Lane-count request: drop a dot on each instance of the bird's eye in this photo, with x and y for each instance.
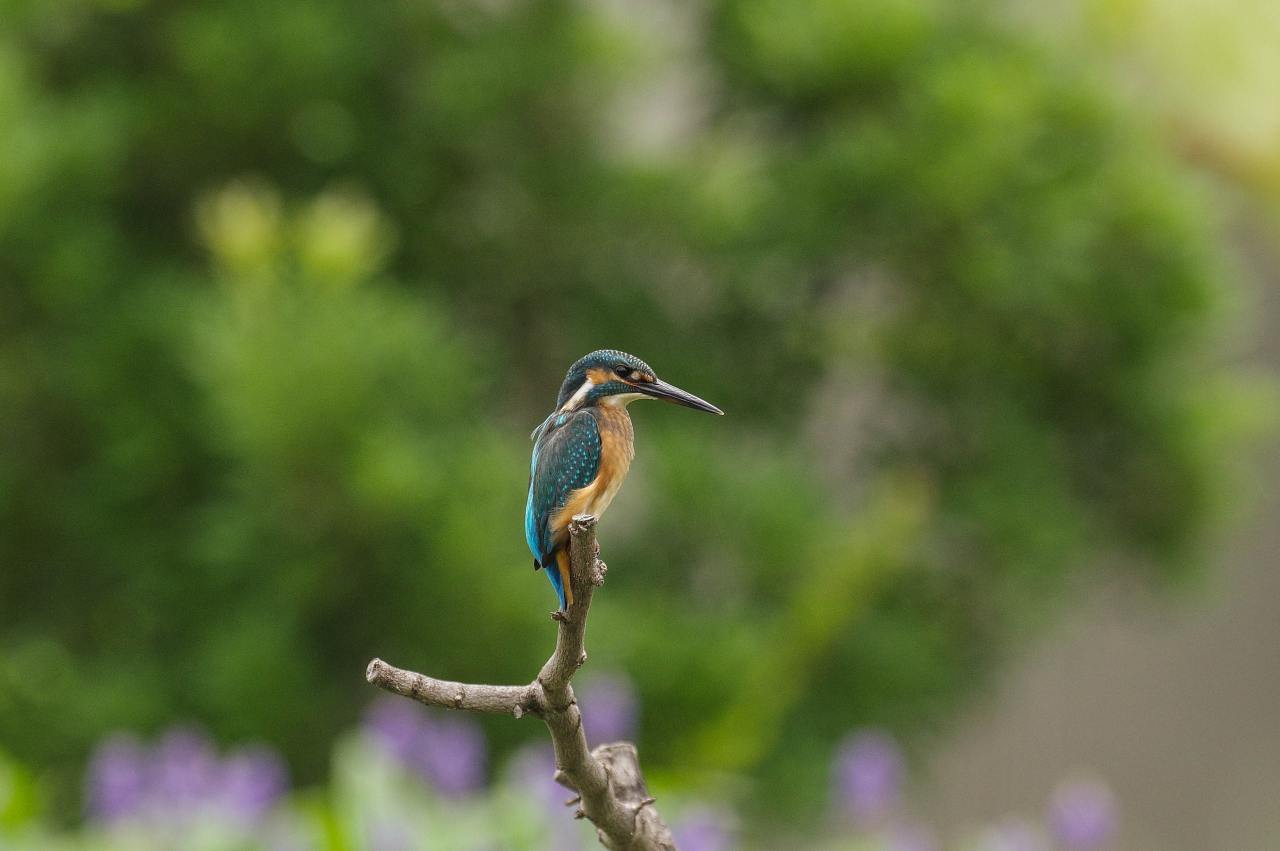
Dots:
(622, 370)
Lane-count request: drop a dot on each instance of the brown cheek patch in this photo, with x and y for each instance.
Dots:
(599, 376)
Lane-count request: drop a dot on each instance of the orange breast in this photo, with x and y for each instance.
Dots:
(617, 448)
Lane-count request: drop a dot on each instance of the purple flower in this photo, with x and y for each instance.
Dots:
(1013, 834)
(394, 724)
(1082, 814)
(253, 780)
(179, 778)
(447, 752)
(868, 776)
(184, 770)
(450, 753)
(116, 781)
(609, 709)
(705, 829)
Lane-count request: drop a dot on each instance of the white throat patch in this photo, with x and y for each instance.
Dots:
(621, 400)
(579, 397)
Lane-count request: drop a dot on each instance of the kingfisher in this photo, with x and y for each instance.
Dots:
(582, 451)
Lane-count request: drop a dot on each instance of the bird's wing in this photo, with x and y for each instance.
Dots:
(566, 457)
(537, 431)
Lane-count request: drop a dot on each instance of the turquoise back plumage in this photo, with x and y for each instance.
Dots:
(566, 456)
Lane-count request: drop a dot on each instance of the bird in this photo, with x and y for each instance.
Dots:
(583, 450)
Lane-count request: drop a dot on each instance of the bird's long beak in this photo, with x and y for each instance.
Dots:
(660, 389)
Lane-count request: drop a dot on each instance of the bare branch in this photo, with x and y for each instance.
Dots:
(508, 700)
(611, 789)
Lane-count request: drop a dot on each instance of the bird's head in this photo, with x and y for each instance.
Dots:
(609, 377)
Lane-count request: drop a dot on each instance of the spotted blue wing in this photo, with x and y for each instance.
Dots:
(566, 456)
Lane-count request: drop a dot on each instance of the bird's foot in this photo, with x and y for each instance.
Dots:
(560, 616)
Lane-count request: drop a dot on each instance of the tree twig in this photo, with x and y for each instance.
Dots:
(610, 788)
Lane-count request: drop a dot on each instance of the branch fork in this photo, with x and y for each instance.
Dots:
(610, 788)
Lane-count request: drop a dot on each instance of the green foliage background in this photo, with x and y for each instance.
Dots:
(284, 286)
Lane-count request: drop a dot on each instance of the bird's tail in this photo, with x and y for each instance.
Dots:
(558, 573)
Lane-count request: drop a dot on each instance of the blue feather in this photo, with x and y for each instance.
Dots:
(553, 573)
(566, 457)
